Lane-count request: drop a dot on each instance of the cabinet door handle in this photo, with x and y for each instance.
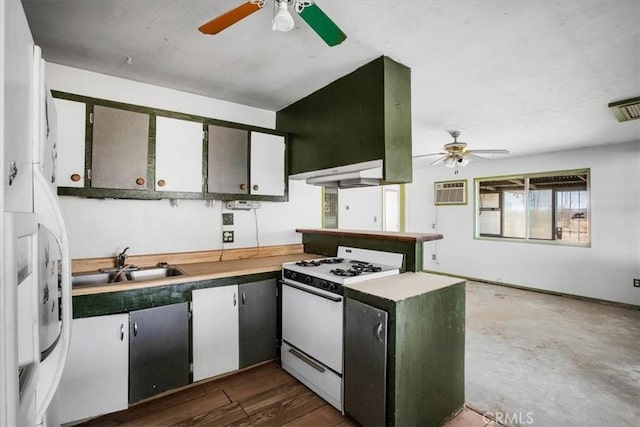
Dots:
(234, 299)
(140, 181)
(75, 177)
(244, 298)
(135, 329)
(162, 183)
(255, 188)
(243, 186)
(122, 332)
(379, 332)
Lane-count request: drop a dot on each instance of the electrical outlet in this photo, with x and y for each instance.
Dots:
(227, 219)
(227, 237)
(433, 257)
(636, 283)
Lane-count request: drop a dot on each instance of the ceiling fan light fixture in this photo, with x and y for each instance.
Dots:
(282, 20)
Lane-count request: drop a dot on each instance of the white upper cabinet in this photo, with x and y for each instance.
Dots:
(71, 140)
(178, 155)
(267, 164)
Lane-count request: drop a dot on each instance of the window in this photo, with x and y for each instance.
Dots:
(547, 207)
(329, 207)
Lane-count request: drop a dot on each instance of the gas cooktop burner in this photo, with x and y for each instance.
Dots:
(345, 273)
(331, 260)
(366, 268)
(308, 263)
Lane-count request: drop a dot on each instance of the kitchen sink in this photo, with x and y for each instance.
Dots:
(130, 274)
(154, 273)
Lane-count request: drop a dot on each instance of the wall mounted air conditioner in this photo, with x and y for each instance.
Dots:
(450, 193)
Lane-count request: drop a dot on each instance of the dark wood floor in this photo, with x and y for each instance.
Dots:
(264, 395)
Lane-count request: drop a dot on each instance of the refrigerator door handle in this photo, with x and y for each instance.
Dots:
(122, 332)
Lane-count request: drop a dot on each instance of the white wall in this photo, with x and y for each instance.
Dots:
(103, 227)
(360, 208)
(604, 271)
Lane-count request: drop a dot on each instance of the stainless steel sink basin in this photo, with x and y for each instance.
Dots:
(110, 275)
(154, 273)
(88, 279)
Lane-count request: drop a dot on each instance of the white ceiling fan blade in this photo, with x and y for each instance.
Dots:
(471, 156)
(487, 151)
(430, 154)
(440, 160)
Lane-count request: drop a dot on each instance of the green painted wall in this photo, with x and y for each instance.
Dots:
(322, 244)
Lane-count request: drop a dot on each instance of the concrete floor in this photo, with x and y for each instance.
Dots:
(544, 360)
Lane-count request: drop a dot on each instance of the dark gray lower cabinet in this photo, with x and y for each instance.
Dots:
(365, 363)
(158, 350)
(258, 323)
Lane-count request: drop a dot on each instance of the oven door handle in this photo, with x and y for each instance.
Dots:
(318, 294)
(306, 360)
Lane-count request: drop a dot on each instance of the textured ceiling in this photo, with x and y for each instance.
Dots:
(528, 76)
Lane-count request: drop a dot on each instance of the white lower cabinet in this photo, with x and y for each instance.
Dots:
(215, 331)
(96, 375)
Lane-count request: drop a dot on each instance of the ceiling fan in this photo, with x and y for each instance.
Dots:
(455, 154)
(282, 19)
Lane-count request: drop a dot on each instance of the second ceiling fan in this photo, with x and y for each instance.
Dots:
(455, 154)
(282, 19)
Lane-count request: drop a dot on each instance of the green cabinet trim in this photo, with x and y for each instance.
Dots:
(149, 192)
(136, 299)
(328, 245)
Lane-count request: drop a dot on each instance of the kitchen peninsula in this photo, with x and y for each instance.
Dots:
(325, 241)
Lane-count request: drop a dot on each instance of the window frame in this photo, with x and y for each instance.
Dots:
(526, 178)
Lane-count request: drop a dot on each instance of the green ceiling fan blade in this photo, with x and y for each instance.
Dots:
(320, 23)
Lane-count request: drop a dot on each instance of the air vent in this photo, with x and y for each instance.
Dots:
(451, 193)
(626, 110)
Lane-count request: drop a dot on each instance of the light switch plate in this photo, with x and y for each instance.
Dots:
(227, 219)
(227, 237)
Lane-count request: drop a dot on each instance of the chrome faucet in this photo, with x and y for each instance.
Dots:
(121, 258)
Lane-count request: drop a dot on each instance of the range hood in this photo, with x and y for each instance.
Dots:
(362, 174)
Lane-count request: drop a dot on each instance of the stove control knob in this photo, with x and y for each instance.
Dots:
(333, 287)
(308, 279)
(292, 275)
(324, 285)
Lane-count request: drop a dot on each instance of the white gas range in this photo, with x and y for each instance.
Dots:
(312, 314)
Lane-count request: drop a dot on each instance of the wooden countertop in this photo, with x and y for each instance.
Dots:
(202, 271)
(403, 286)
(379, 235)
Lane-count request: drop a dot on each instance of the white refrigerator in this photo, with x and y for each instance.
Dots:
(37, 279)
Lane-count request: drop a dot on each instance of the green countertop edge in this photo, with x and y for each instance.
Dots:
(155, 296)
